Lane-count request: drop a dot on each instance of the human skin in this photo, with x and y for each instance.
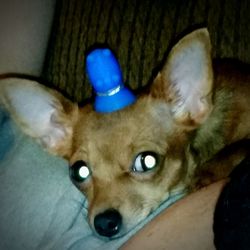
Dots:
(188, 224)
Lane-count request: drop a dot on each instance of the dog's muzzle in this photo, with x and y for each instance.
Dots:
(108, 223)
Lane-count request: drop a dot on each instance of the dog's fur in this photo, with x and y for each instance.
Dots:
(190, 114)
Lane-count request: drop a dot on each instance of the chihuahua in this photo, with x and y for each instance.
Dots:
(174, 137)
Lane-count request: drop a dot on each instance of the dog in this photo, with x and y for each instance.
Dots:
(174, 137)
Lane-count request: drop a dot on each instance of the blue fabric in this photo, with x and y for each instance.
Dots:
(39, 207)
(7, 138)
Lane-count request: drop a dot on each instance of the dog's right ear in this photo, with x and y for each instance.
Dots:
(186, 80)
(41, 113)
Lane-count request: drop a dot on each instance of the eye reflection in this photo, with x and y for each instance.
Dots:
(145, 161)
(79, 171)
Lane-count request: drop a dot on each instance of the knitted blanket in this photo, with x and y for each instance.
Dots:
(140, 32)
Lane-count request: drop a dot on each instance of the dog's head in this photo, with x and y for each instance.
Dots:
(129, 161)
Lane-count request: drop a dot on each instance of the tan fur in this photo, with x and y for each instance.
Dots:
(110, 144)
(191, 141)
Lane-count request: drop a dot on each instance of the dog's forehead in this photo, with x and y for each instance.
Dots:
(120, 130)
(116, 122)
(122, 125)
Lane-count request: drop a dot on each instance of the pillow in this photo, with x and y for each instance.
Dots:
(38, 203)
(40, 208)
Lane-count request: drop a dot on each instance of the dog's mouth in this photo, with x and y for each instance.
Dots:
(116, 221)
(112, 224)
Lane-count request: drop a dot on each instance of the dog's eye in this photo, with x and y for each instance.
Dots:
(79, 171)
(145, 161)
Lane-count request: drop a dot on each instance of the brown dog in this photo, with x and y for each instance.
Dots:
(128, 162)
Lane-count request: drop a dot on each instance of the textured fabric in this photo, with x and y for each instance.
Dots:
(140, 33)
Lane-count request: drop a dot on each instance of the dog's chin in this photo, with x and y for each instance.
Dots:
(125, 229)
(122, 233)
(133, 220)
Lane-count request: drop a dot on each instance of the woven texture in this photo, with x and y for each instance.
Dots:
(140, 33)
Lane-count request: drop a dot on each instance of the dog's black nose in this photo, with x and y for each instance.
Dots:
(108, 223)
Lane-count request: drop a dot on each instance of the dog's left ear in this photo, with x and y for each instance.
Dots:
(186, 79)
(40, 112)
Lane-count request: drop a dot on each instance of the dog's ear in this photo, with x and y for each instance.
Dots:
(186, 79)
(41, 113)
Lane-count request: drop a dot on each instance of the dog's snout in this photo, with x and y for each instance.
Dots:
(108, 223)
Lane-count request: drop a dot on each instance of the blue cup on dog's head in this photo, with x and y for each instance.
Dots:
(106, 78)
